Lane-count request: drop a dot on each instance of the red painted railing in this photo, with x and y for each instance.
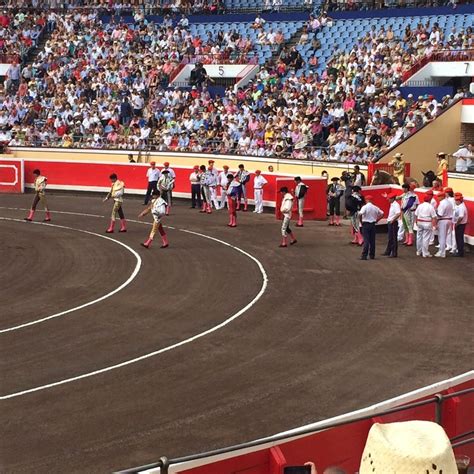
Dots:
(442, 55)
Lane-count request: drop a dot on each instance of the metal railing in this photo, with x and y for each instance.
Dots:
(441, 55)
(307, 153)
(163, 463)
(126, 10)
(336, 5)
(235, 57)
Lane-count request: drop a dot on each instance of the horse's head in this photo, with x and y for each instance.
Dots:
(376, 178)
(381, 177)
(428, 178)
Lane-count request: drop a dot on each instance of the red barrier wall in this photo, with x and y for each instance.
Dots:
(94, 176)
(315, 204)
(343, 446)
(11, 176)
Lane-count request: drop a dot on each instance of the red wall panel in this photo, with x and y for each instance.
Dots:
(315, 205)
(343, 445)
(11, 176)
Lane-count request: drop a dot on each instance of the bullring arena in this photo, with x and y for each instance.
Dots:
(242, 347)
(219, 339)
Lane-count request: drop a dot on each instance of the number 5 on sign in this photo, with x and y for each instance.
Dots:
(221, 71)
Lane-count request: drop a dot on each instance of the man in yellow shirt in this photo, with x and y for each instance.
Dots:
(442, 165)
(269, 134)
(116, 193)
(400, 103)
(398, 167)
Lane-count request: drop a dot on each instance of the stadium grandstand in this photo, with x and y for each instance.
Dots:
(176, 99)
(326, 89)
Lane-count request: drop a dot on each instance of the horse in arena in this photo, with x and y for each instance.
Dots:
(428, 178)
(384, 177)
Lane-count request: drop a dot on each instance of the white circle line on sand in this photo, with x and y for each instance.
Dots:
(90, 303)
(52, 212)
(78, 214)
(173, 346)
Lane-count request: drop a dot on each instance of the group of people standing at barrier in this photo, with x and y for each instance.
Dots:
(442, 211)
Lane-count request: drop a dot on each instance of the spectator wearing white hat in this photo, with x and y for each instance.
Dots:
(408, 447)
(464, 157)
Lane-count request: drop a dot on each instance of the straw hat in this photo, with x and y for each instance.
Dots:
(410, 447)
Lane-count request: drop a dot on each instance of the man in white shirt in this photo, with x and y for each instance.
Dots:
(451, 239)
(464, 157)
(213, 182)
(172, 174)
(425, 218)
(460, 214)
(258, 183)
(369, 215)
(195, 181)
(392, 221)
(152, 175)
(286, 209)
(223, 182)
(445, 213)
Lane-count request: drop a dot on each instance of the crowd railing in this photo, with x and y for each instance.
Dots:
(216, 147)
(441, 55)
(437, 400)
(336, 5)
(235, 57)
(154, 10)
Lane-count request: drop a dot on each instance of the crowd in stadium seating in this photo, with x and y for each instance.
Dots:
(122, 6)
(105, 86)
(19, 32)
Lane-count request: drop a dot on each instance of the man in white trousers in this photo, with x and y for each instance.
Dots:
(425, 218)
(223, 183)
(445, 213)
(214, 181)
(434, 203)
(258, 184)
(451, 240)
